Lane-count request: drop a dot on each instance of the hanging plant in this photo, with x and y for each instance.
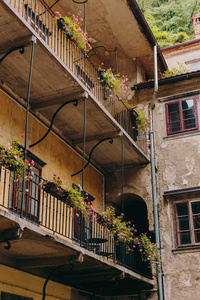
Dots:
(115, 83)
(71, 26)
(124, 232)
(149, 252)
(12, 158)
(142, 120)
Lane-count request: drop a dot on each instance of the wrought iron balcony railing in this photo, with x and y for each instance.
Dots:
(33, 203)
(42, 20)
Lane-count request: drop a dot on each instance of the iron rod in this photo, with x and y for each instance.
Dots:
(27, 115)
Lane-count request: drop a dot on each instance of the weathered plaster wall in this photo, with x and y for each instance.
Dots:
(61, 159)
(178, 167)
(177, 162)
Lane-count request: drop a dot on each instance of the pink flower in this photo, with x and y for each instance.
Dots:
(58, 177)
(58, 13)
(54, 175)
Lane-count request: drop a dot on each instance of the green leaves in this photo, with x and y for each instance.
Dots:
(170, 20)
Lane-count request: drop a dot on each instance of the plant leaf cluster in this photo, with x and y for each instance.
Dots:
(12, 158)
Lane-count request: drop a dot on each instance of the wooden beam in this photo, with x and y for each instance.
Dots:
(56, 101)
(26, 41)
(112, 134)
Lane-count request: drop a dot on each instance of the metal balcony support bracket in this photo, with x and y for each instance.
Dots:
(122, 158)
(109, 51)
(16, 45)
(52, 120)
(10, 234)
(20, 48)
(90, 155)
(84, 137)
(80, 2)
(78, 259)
(26, 126)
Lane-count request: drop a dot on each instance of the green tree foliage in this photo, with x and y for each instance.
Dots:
(170, 20)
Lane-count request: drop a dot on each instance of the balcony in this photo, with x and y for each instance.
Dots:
(53, 234)
(61, 72)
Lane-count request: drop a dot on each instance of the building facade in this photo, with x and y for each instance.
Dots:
(54, 102)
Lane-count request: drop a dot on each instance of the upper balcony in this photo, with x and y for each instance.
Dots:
(62, 72)
(43, 235)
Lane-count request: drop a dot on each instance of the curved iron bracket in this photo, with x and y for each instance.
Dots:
(101, 141)
(8, 244)
(20, 48)
(52, 120)
(80, 2)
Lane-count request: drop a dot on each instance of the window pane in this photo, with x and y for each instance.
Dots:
(185, 238)
(182, 209)
(196, 207)
(197, 236)
(196, 222)
(174, 117)
(184, 223)
(188, 114)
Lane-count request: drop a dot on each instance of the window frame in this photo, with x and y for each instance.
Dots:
(191, 223)
(179, 101)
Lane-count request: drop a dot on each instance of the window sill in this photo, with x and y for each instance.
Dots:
(187, 249)
(182, 134)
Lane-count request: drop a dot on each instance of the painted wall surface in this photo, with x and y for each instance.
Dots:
(24, 284)
(60, 158)
(177, 162)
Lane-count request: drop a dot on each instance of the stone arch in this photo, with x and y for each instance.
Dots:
(135, 209)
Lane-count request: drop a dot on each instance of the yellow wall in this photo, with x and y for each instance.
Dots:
(27, 285)
(61, 159)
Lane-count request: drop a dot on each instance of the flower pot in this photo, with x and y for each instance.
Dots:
(61, 23)
(55, 190)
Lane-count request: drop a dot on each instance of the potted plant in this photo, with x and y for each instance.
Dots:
(71, 26)
(115, 83)
(12, 158)
(140, 119)
(54, 188)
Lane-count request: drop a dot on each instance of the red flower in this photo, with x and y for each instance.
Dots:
(22, 135)
(27, 161)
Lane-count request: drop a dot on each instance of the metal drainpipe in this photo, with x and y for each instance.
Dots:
(153, 175)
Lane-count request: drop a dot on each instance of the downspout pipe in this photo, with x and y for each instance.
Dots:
(153, 175)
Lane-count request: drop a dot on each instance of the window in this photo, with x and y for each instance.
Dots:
(181, 115)
(29, 202)
(187, 222)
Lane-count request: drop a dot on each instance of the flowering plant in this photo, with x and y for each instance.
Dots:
(72, 28)
(125, 232)
(12, 157)
(114, 82)
(142, 120)
(75, 198)
(57, 180)
(122, 230)
(150, 252)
